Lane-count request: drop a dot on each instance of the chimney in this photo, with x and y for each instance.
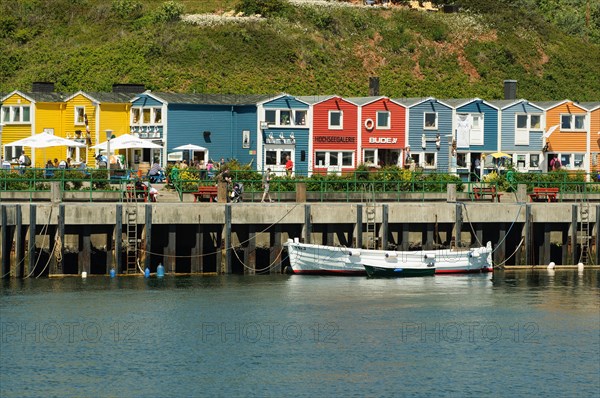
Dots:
(373, 86)
(42, 87)
(510, 89)
(128, 88)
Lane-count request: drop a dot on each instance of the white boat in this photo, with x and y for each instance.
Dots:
(337, 260)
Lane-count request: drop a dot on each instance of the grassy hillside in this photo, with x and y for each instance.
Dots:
(299, 49)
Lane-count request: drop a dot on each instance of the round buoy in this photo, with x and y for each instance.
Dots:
(369, 124)
(84, 274)
(551, 265)
(113, 273)
(147, 273)
(160, 270)
(579, 267)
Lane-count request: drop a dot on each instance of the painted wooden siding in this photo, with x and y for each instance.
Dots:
(490, 125)
(114, 117)
(595, 139)
(14, 132)
(348, 134)
(244, 118)
(70, 127)
(397, 125)
(565, 141)
(285, 102)
(49, 115)
(186, 124)
(509, 127)
(144, 100)
(416, 130)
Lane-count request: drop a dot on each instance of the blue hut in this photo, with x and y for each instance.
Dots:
(283, 131)
(521, 133)
(429, 134)
(476, 133)
(223, 124)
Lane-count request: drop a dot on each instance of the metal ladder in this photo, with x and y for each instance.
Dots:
(132, 233)
(584, 229)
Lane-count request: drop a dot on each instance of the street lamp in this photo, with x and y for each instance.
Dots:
(109, 134)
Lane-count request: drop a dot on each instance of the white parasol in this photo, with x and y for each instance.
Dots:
(128, 141)
(191, 148)
(45, 140)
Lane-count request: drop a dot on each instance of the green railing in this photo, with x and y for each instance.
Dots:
(394, 185)
(92, 182)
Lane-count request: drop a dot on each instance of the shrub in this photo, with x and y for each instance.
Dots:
(170, 11)
(125, 9)
(266, 8)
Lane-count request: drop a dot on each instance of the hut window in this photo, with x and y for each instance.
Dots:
(336, 120)
(79, 115)
(430, 120)
(383, 120)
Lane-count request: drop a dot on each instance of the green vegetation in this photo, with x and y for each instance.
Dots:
(550, 46)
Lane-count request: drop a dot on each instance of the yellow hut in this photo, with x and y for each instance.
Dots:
(87, 117)
(26, 114)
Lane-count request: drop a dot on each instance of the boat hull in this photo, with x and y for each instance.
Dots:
(397, 272)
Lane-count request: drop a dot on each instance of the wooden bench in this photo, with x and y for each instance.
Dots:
(482, 193)
(543, 194)
(209, 192)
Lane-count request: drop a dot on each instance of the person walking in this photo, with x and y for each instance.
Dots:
(265, 185)
(289, 166)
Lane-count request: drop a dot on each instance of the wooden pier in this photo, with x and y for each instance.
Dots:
(248, 238)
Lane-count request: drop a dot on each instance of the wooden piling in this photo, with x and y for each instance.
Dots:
(4, 248)
(31, 244)
(276, 250)
(226, 265)
(574, 211)
(250, 251)
(170, 252)
(458, 225)
(17, 268)
(358, 227)
(307, 224)
(85, 251)
(385, 226)
(148, 236)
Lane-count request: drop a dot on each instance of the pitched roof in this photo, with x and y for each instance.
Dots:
(46, 96)
(211, 99)
(545, 105)
(316, 99)
(457, 102)
(111, 97)
(590, 106)
(364, 100)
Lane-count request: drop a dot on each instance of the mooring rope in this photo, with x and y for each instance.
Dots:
(219, 250)
(43, 232)
(268, 268)
(501, 265)
(505, 235)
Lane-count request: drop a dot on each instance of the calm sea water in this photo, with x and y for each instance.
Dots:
(510, 334)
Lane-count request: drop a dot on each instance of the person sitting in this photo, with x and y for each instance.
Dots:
(140, 189)
(101, 161)
(156, 172)
(49, 172)
(63, 164)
